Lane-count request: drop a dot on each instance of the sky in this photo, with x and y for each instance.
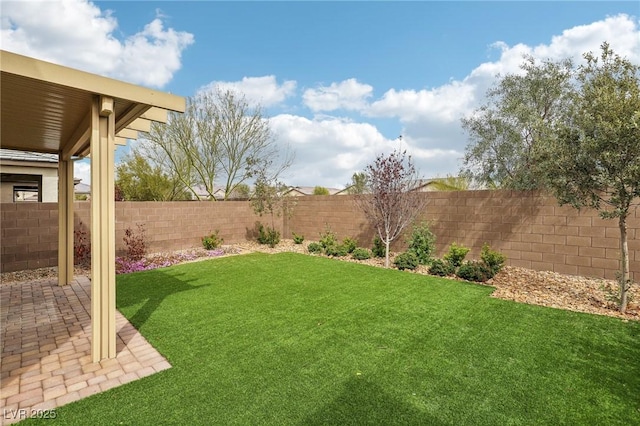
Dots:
(340, 82)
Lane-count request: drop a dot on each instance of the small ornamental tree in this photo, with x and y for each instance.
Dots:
(391, 205)
(593, 158)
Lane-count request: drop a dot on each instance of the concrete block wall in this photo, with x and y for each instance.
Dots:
(530, 228)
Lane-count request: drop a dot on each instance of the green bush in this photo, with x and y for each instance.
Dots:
(493, 259)
(314, 247)
(474, 271)
(406, 260)
(422, 243)
(361, 253)
(297, 239)
(212, 241)
(268, 235)
(328, 238)
(336, 250)
(440, 268)
(456, 254)
(379, 249)
(350, 244)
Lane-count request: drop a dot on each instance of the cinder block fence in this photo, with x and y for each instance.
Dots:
(530, 228)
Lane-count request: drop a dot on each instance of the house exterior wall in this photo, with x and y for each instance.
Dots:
(531, 229)
(49, 187)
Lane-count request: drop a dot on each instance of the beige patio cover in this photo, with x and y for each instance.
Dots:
(54, 109)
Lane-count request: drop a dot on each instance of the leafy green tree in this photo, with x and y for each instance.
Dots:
(358, 184)
(452, 183)
(392, 205)
(593, 157)
(138, 180)
(517, 116)
(320, 190)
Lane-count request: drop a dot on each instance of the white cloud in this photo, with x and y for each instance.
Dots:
(445, 103)
(348, 94)
(329, 149)
(77, 33)
(82, 170)
(258, 90)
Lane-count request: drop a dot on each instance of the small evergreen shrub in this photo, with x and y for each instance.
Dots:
(212, 241)
(328, 238)
(493, 259)
(268, 235)
(297, 239)
(350, 244)
(422, 243)
(135, 242)
(456, 254)
(336, 250)
(314, 247)
(474, 271)
(361, 253)
(379, 248)
(406, 260)
(440, 268)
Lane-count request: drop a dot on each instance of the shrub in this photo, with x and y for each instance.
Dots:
(314, 248)
(268, 235)
(422, 243)
(361, 253)
(336, 250)
(474, 271)
(328, 238)
(81, 245)
(350, 244)
(456, 255)
(212, 241)
(493, 259)
(440, 268)
(378, 249)
(135, 242)
(406, 260)
(297, 239)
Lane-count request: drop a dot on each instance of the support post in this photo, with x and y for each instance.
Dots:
(103, 303)
(65, 220)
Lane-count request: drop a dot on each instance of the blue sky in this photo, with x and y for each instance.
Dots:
(340, 81)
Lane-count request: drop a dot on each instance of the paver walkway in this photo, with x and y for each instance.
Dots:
(46, 350)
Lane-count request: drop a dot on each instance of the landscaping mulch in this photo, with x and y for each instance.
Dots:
(544, 288)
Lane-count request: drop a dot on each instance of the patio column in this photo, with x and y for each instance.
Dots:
(103, 290)
(65, 220)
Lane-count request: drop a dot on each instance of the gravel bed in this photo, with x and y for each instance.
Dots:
(544, 288)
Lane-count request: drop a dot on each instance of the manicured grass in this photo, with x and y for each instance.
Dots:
(293, 339)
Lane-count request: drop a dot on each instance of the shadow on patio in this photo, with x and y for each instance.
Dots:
(46, 349)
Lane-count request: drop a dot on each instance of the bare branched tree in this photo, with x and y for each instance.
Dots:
(391, 204)
(219, 138)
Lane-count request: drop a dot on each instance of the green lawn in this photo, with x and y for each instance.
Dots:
(294, 339)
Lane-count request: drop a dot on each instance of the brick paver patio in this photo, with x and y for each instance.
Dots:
(46, 352)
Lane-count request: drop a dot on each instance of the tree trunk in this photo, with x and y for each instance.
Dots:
(624, 263)
(386, 252)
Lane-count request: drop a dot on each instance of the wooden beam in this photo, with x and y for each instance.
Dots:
(141, 125)
(130, 115)
(156, 114)
(79, 140)
(128, 134)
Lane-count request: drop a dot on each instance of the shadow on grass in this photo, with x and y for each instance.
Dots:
(150, 288)
(365, 403)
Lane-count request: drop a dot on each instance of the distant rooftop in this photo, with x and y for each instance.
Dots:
(11, 155)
